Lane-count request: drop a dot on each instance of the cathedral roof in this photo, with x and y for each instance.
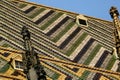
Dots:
(60, 35)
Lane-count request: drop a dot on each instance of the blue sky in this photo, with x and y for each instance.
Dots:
(94, 8)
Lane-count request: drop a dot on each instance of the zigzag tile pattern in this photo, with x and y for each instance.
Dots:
(56, 35)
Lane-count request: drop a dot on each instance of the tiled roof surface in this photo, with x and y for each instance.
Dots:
(56, 34)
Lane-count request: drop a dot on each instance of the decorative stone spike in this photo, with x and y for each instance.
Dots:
(32, 67)
(115, 16)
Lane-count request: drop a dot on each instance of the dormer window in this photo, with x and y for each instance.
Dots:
(81, 20)
(6, 54)
(18, 64)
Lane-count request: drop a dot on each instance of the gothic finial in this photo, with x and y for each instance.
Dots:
(25, 33)
(113, 10)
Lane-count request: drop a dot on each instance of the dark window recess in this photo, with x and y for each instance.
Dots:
(68, 78)
(83, 22)
(83, 51)
(44, 17)
(30, 9)
(5, 54)
(102, 58)
(57, 26)
(19, 64)
(70, 37)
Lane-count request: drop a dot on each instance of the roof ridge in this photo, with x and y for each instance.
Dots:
(61, 10)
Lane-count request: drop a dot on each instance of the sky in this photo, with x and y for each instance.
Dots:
(94, 8)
